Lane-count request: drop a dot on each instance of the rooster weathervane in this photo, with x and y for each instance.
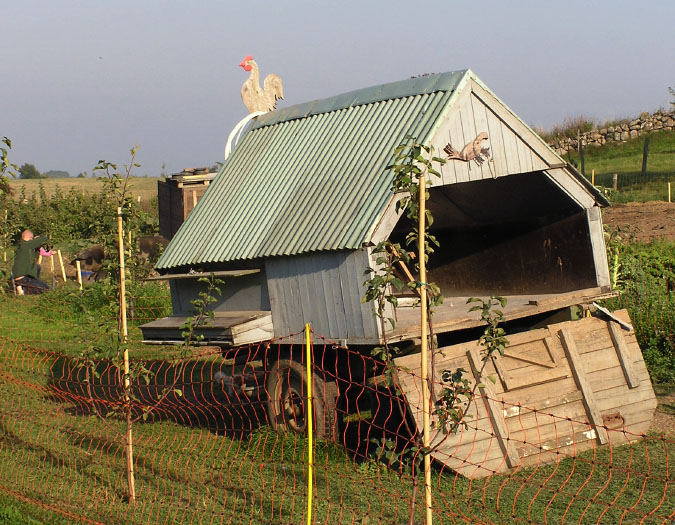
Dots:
(256, 98)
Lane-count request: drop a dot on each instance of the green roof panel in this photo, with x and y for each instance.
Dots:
(309, 177)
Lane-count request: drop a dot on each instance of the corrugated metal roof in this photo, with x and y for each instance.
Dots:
(310, 177)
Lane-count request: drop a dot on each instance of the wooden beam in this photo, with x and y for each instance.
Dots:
(597, 237)
(198, 275)
(496, 413)
(577, 367)
(622, 353)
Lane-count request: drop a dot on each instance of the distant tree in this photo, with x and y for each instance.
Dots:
(672, 92)
(216, 167)
(56, 174)
(28, 171)
(82, 175)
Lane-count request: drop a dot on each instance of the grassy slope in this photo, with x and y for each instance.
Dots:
(625, 159)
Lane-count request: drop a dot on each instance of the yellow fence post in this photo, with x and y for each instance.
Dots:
(127, 382)
(426, 396)
(669, 192)
(310, 425)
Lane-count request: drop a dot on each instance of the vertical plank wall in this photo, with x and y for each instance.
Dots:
(324, 289)
(513, 148)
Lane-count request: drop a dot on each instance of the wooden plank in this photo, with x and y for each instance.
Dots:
(577, 369)
(497, 142)
(496, 414)
(351, 302)
(332, 293)
(199, 275)
(525, 354)
(566, 391)
(481, 126)
(609, 378)
(510, 149)
(572, 187)
(597, 237)
(526, 379)
(616, 332)
(357, 263)
(452, 314)
(457, 138)
(470, 133)
(524, 155)
(513, 413)
(443, 136)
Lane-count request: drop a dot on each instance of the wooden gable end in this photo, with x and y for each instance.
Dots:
(513, 147)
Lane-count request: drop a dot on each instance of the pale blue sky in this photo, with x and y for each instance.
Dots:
(87, 80)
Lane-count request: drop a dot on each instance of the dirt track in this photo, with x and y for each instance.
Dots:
(644, 221)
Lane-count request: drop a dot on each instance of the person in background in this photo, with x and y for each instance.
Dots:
(25, 269)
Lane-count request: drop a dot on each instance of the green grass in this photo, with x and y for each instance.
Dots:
(53, 451)
(625, 159)
(70, 321)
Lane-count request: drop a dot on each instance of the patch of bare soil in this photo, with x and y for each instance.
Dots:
(664, 418)
(643, 221)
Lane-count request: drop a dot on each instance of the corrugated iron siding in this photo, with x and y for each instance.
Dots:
(313, 183)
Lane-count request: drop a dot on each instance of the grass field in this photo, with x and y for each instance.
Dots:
(143, 187)
(625, 159)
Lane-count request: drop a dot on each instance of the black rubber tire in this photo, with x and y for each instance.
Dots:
(286, 386)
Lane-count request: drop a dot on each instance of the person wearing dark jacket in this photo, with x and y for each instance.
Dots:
(25, 269)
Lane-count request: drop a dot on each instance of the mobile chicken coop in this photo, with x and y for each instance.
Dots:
(291, 220)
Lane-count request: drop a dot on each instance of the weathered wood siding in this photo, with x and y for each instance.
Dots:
(513, 147)
(590, 371)
(323, 289)
(248, 292)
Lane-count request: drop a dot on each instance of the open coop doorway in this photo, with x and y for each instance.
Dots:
(519, 236)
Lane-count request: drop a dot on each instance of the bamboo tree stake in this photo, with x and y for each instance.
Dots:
(4, 244)
(669, 192)
(63, 270)
(593, 177)
(51, 267)
(127, 383)
(421, 239)
(79, 273)
(310, 429)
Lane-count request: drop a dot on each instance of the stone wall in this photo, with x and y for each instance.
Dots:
(617, 133)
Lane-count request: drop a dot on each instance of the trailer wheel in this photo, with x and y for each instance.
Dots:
(287, 396)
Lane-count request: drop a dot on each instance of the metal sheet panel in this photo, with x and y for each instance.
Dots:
(308, 178)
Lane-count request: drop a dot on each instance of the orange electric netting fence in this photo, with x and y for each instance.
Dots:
(219, 436)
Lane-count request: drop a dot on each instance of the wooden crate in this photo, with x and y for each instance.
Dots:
(559, 391)
(178, 195)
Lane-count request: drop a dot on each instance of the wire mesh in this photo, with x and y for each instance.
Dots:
(219, 434)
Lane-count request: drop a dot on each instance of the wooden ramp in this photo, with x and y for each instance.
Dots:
(558, 391)
(231, 328)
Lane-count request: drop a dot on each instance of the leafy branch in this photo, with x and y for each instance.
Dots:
(456, 397)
